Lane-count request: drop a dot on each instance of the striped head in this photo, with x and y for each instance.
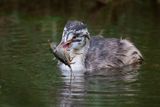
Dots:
(75, 35)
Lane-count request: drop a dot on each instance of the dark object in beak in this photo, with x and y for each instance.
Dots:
(61, 59)
(60, 54)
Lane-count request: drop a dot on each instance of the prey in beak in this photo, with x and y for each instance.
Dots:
(60, 52)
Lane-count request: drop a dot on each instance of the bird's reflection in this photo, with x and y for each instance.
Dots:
(103, 84)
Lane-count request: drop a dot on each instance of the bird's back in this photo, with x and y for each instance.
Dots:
(110, 53)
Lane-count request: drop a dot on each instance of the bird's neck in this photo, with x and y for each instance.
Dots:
(78, 62)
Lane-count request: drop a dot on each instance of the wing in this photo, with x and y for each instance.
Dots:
(110, 52)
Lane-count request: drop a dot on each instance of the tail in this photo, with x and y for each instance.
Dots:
(130, 54)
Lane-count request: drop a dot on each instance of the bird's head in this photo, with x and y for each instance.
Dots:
(75, 35)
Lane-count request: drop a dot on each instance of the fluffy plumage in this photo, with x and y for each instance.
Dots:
(91, 53)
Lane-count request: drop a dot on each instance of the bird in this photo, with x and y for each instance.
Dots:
(91, 53)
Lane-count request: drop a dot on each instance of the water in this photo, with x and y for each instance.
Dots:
(29, 76)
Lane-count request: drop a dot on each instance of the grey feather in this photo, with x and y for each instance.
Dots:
(108, 53)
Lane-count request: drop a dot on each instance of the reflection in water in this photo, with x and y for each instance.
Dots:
(113, 86)
(72, 91)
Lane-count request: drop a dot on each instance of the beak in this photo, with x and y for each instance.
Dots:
(66, 44)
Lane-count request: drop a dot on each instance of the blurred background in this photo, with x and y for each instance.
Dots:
(28, 73)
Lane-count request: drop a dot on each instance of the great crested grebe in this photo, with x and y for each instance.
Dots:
(91, 53)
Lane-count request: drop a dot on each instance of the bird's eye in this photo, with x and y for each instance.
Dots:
(74, 37)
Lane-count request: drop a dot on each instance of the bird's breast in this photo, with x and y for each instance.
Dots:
(77, 66)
